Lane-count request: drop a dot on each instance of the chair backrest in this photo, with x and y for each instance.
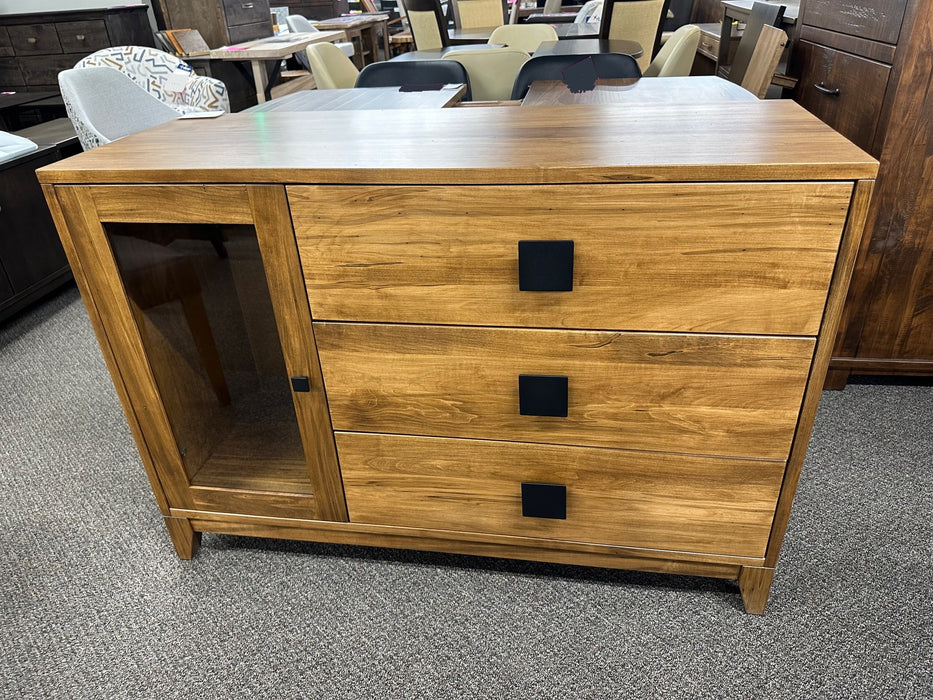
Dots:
(552, 7)
(299, 24)
(765, 58)
(105, 104)
(427, 23)
(590, 13)
(607, 65)
(469, 14)
(492, 71)
(330, 67)
(524, 37)
(635, 20)
(762, 14)
(676, 56)
(147, 67)
(414, 75)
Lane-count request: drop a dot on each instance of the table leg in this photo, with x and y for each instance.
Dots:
(385, 41)
(355, 36)
(260, 79)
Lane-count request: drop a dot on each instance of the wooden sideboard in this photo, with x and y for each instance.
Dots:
(863, 70)
(610, 358)
(36, 47)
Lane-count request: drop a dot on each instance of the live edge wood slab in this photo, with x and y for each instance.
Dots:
(642, 399)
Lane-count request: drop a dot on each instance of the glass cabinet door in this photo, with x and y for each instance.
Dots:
(205, 311)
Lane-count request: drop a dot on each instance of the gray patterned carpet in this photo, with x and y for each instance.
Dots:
(96, 605)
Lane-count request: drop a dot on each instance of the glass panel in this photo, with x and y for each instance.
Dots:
(199, 295)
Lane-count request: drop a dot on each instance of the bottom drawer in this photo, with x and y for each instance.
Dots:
(637, 499)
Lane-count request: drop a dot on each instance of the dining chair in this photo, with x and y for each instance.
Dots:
(492, 71)
(105, 104)
(330, 67)
(764, 60)
(524, 37)
(299, 24)
(414, 75)
(676, 56)
(762, 14)
(150, 69)
(427, 23)
(635, 20)
(470, 14)
(606, 65)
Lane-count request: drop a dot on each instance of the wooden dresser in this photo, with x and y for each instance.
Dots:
(864, 70)
(220, 22)
(610, 356)
(35, 48)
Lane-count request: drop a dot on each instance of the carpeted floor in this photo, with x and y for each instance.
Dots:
(96, 605)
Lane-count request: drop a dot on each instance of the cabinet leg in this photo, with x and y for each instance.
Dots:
(755, 584)
(836, 380)
(185, 539)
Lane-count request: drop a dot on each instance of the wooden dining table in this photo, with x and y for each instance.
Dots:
(480, 35)
(273, 48)
(701, 89)
(364, 98)
(582, 47)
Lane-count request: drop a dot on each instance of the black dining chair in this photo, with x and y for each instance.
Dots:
(414, 75)
(574, 69)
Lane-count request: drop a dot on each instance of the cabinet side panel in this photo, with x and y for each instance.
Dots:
(52, 194)
(843, 272)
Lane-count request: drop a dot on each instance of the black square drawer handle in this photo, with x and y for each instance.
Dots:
(542, 395)
(545, 266)
(544, 500)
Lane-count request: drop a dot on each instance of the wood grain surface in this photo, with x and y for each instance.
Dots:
(754, 140)
(719, 395)
(662, 502)
(736, 258)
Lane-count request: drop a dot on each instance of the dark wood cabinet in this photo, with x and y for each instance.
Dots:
(32, 261)
(316, 9)
(864, 69)
(220, 22)
(36, 47)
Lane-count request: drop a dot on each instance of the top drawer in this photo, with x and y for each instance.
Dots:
(879, 20)
(88, 36)
(34, 39)
(738, 258)
(246, 12)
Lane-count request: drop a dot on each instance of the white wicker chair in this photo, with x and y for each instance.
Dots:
(150, 68)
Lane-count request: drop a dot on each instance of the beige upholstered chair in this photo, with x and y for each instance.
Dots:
(330, 67)
(492, 71)
(676, 56)
(635, 20)
(524, 37)
(469, 14)
(764, 60)
(427, 24)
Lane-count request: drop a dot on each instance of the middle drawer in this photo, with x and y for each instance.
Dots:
(701, 394)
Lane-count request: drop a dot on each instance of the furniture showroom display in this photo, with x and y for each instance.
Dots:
(864, 69)
(35, 47)
(610, 355)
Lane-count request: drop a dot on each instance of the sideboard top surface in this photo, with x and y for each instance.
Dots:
(760, 140)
